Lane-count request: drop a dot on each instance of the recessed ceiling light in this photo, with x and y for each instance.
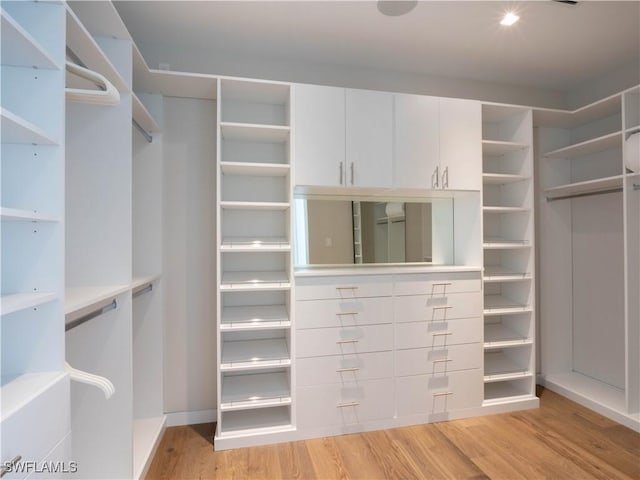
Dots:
(509, 19)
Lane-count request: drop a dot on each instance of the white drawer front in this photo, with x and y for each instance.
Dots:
(318, 288)
(38, 427)
(342, 341)
(422, 361)
(432, 394)
(344, 404)
(436, 284)
(337, 313)
(438, 334)
(416, 308)
(344, 368)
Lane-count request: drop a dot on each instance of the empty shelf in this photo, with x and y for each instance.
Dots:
(18, 130)
(17, 215)
(582, 188)
(509, 390)
(147, 433)
(22, 301)
(247, 354)
(502, 178)
(80, 298)
(594, 145)
(233, 205)
(254, 132)
(569, 119)
(497, 273)
(498, 148)
(497, 335)
(502, 244)
(254, 168)
(259, 390)
(254, 317)
(255, 280)
(17, 390)
(19, 48)
(255, 420)
(252, 244)
(499, 367)
(497, 209)
(497, 305)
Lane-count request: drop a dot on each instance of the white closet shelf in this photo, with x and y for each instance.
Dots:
(254, 318)
(498, 305)
(139, 281)
(80, 298)
(502, 178)
(498, 392)
(176, 84)
(234, 205)
(498, 335)
(499, 367)
(572, 118)
(255, 244)
(147, 433)
(254, 132)
(258, 390)
(589, 186)
(16, 129)
(250, 354)
(498, 273)
(594, 145)
(255, 91)
(18, 215)
(503, 244)
(251, 422)
(496, 148)
(18, 390)
(255, 281)
(22, 301)
(498, 209)
(142, 116)
(254, 168)
(84, 46)
(19, 48)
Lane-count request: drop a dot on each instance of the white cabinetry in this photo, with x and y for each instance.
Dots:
(34, 388)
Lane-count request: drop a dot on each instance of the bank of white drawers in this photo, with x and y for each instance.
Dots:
(339, 312)
(344, 368)
(344, 340)
(346, 287)
(435, 308)
(438, 334)
(436, 284)
(438, 360)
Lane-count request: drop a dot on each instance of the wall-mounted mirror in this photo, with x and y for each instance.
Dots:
(351, 231)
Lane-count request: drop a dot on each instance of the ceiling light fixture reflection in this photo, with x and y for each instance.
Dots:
(395, 8)
(509, 19)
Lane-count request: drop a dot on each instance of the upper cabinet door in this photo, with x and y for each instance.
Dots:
(416, 151)
(319, 135)
(369, 134)
(460, 144)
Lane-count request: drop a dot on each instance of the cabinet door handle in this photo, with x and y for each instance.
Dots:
(442, 308)
(441, 334)
(342, 342)
(445, 178)
(9, 466)
(352, 287)
(341, 173)
(340, 314)
(435, 178)
(442, 360)
(352, 369)
(347, 404)
(351, 173)
(442, 394)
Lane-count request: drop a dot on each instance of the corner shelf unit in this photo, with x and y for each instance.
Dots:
(255, 336)
(508, 232)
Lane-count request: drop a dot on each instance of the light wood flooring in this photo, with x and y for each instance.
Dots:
(560, 440)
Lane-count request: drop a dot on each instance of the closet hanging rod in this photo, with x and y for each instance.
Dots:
(141, 290)
(585, 194)
(90, 316)
(147, 136)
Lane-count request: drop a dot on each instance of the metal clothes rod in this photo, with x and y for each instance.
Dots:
(89, 316)
(141, 290)
(142, 131)
(587, 194)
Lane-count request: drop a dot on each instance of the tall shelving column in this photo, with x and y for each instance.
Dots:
(34, 388)
(508, 232)
(255, 341)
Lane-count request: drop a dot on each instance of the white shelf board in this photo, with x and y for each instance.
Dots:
(250, 168)
(254, 422)
(258, 390)
(594, 145)
(17, 215)
(498, 367)
(175, 84)
(249, 354)
(496, 148)
(497, 209)
(580, 188)
(502, 244)
(498, 273)
(547, 117)
(84, 46)
(16, 392)
(80, 298)
(502, 178)
(19, 48)
(22, 301)
(498, 305)
(139, 281)
(254, 318)
(16, 129)
(499, 112)
(254, 132)
(499, 392)
(147, 433)
(255, 244)
(255, 281)
(255, 91)
(498, 335)
(142, 116)
(233, 205)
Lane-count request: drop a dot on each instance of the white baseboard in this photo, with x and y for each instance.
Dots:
(175, 419)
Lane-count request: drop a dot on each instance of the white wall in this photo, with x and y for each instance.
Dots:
(189, 254)
(213, 61)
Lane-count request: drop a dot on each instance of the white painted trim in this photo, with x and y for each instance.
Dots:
(176, 419)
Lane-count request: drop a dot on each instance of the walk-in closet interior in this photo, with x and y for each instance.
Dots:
(294, 259)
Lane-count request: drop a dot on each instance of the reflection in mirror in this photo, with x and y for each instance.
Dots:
(353, 231)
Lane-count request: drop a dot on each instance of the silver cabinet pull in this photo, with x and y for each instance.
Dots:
(341, 342)
(351, 173)
(352, 369)
(445, 178)
(442, 360)
(441, 284)
(435, 178)
(8, 467)
(440, 334)
(347, 404)
(352, 287)
(341, 173)
(442, 394)
(340, 314)
(444, 307)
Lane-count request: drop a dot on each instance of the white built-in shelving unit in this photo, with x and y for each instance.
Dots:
(254, 261)
(508, 232)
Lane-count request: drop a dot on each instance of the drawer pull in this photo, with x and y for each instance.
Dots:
(340, 342)
(346, 313)
(442, 394)
(443, 360)
(442, 308)
(441, 284)
(440, 334)
(353, 287)
(352, 369)
(9, 466)
(348, 404)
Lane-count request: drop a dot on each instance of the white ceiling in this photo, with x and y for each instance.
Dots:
(553, 45)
